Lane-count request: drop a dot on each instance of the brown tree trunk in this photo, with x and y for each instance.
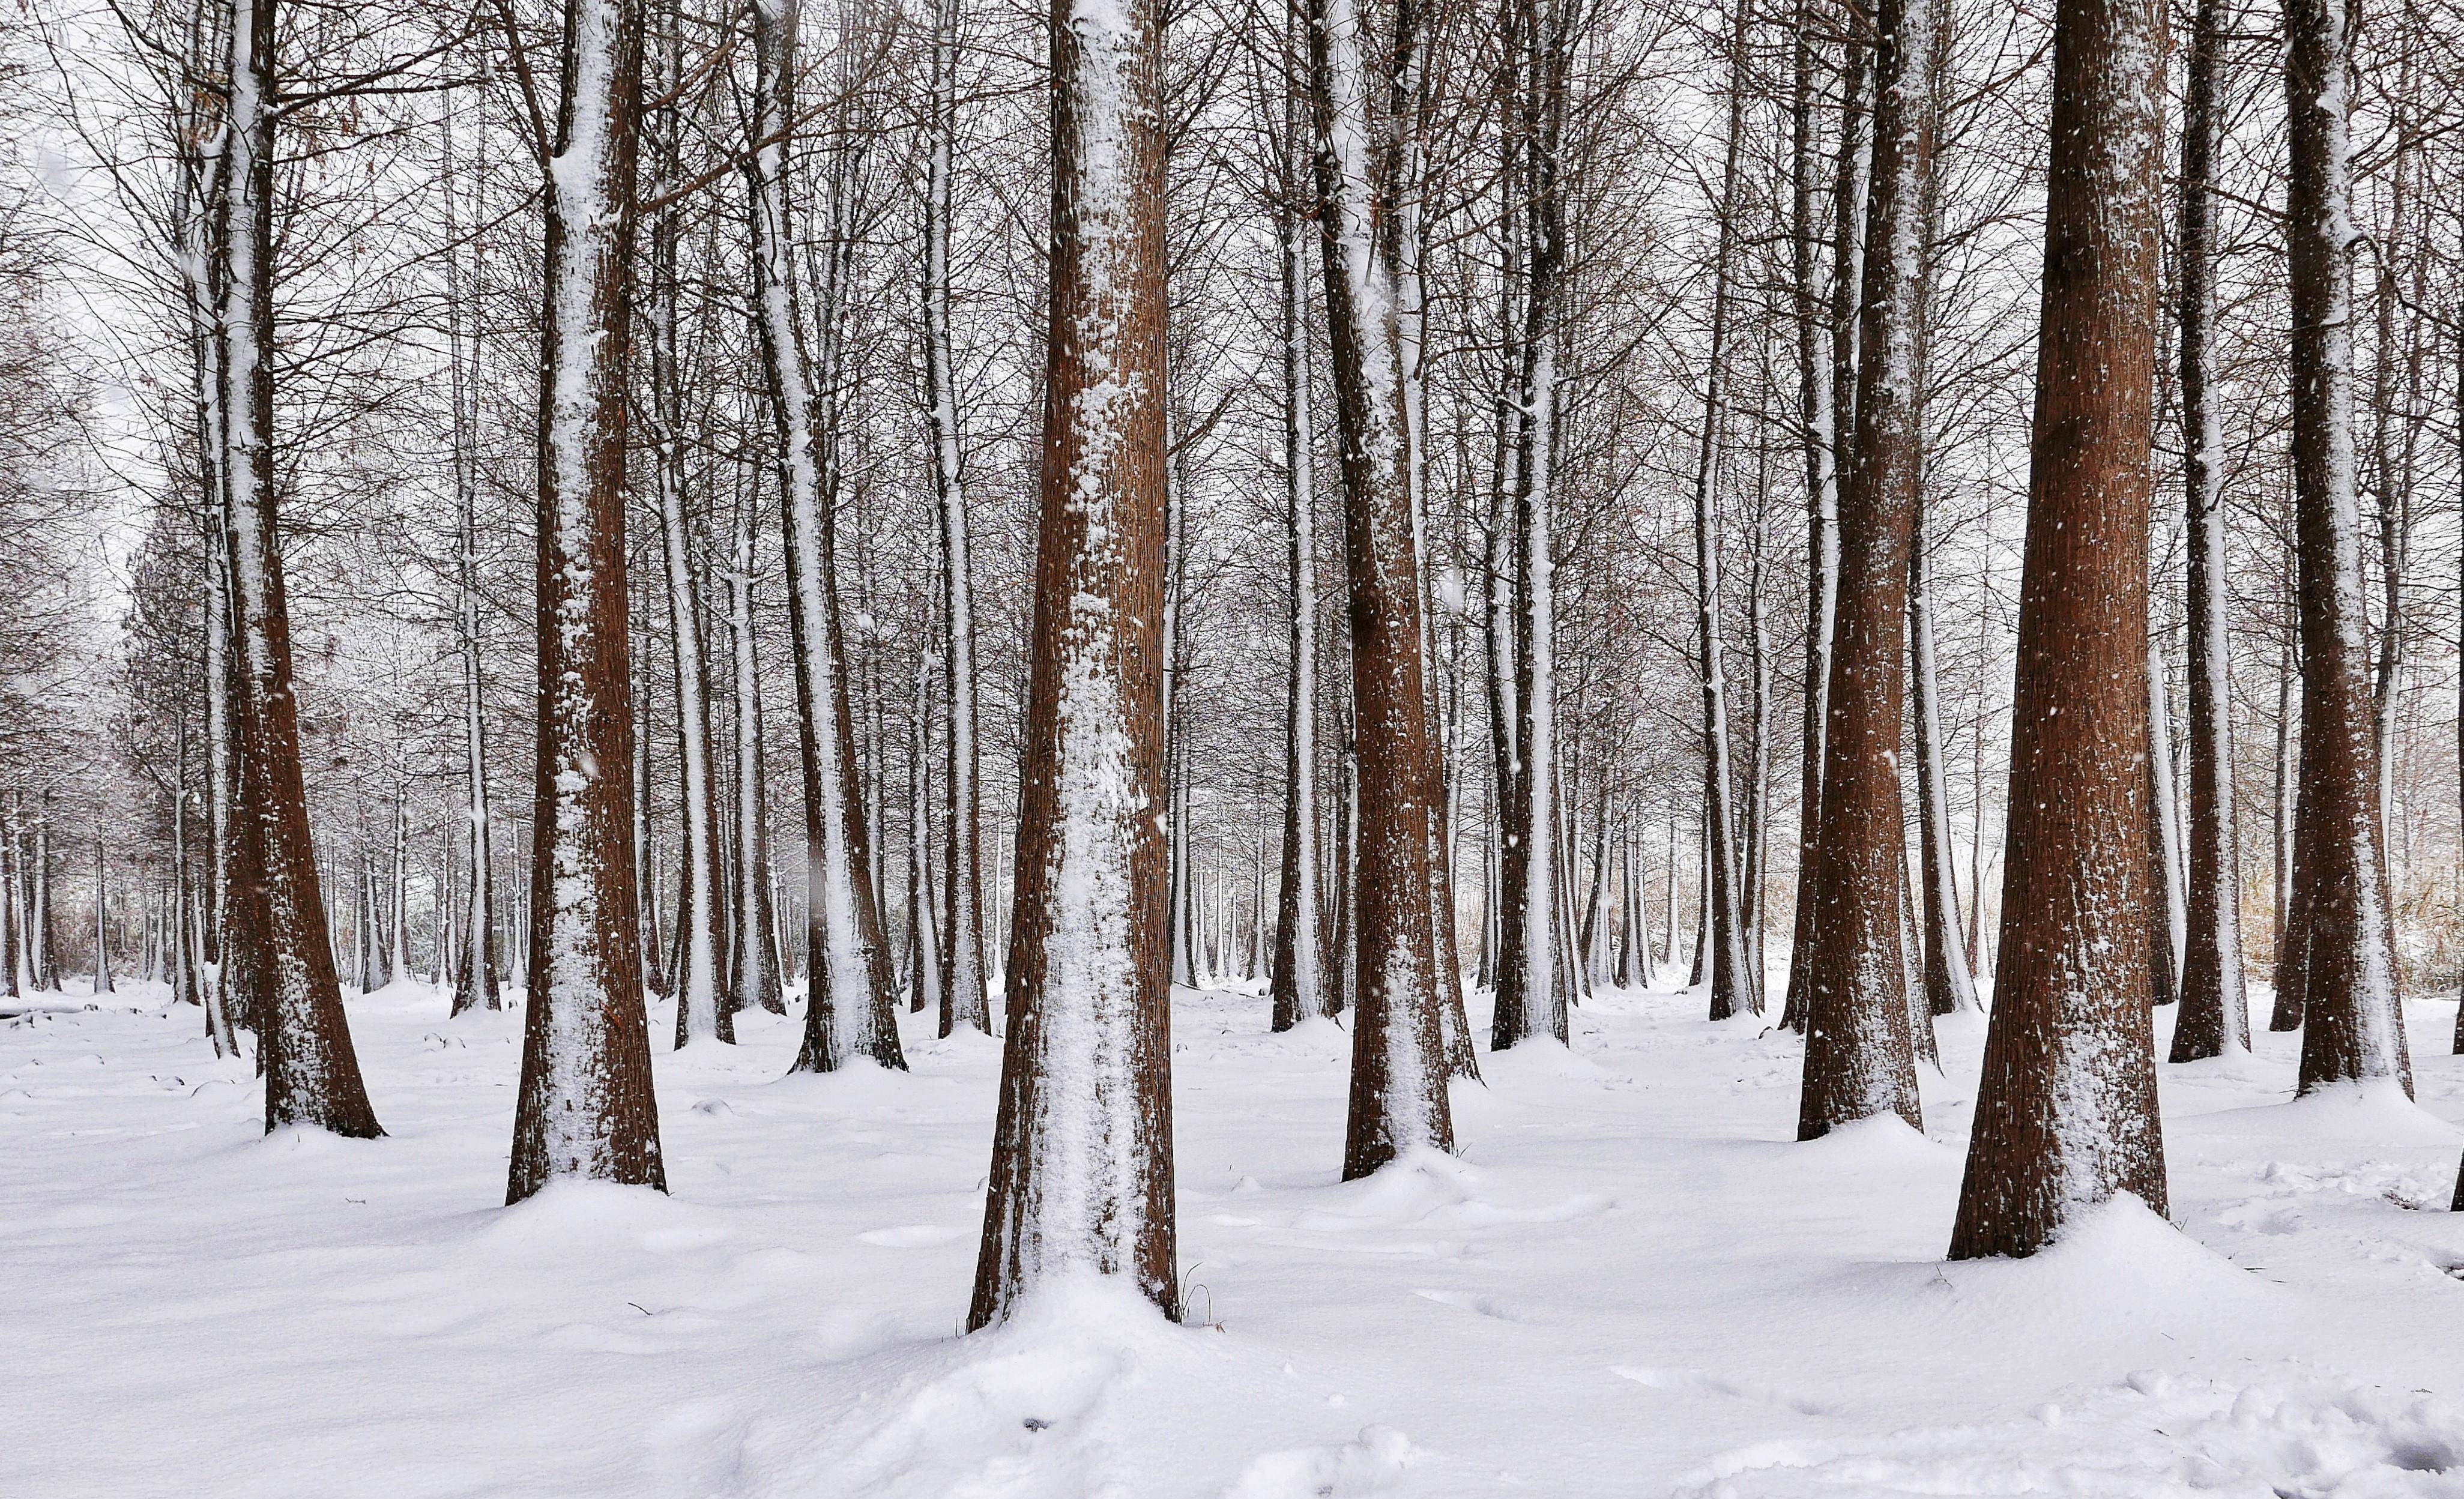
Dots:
(2066, 1113)
(1398, 1072)
(1295, 984)
(850, 1009)
(278, 936)
(1082, 1157)
(1858, 1058)
(2214, 1017)
(1839, 379)
(2353, 1028)
(586, 1107)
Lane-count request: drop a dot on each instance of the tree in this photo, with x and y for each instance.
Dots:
(1849, 170)
(964, 999)
(2066, 1114)
(1535, 987)
(1735, 988)
(704, 1006)
(474, 971)
(1858, 1061)
(2344, 978)
(1399, 1073)
(1082, 1152)
(2214, 1017)
(587, 1108)
(851, 1011)
(753, 976)
(1293, 981)
(277, 934)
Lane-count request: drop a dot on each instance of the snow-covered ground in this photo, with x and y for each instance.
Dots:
(1631, 1281)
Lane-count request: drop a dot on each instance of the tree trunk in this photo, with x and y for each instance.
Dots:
(851, 1010)
(1082, 1157)
(312, 1072)
(2066, 1113)
(1398, 1076)
(586, 1107)
(1858, 1058)
(474, 974)
(964, 997)
(2353, 1029)
(1294, 987)
(2214, 1017)
(704, 1006)
(2164, 867)
(1947, 986)
(1732, 982)
(1849, 168)
(752, 973)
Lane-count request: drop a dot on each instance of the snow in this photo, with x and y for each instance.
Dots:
(1630, 1282)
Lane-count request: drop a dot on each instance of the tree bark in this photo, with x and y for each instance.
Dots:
(1399, 1074)
(753, 972)
(2066, 1114)
(2214, 1017)
(704, 1006)
(2353, 1029)
(1858, 1057)
(1947, 986)
(1849, 168)
(851, 1011)
(964, 997)
(1082, 1157)
(1295, 987)
(586, 1107)
(475, 973)
(312, 1072)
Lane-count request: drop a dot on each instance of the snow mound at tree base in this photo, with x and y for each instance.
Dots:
(1058, 1401)
(2152, 1437)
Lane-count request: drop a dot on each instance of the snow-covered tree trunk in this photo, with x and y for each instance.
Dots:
(1533, 991)
(1947, 986)
(965, 998)
(1734, 987)
(2352, 1026)
(587, 1108)
(1858, 1057)
(1398, 1096)
(398, 891)
(1294, 984)
(2066, 1112)
(753, 969)
(1838, 382)
(14, 981)
(474, 969)
(851, 1011)
(1081, 1178)
(1175, 747)
(926, 980)
(648, 896)
(2164, 914)
(705, 1009)
(2214, 1017)
(101, 923)
(312, 1074)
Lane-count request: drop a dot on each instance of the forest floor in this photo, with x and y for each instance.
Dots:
(1631, 1281)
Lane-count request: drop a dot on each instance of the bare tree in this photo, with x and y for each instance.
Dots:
(1398, 1072)
(2343, 980)
(2214, 1017)
(1858, 1056)
(2066, 1114)
(279, 933)
(587, 1108)
(1081, 1153)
